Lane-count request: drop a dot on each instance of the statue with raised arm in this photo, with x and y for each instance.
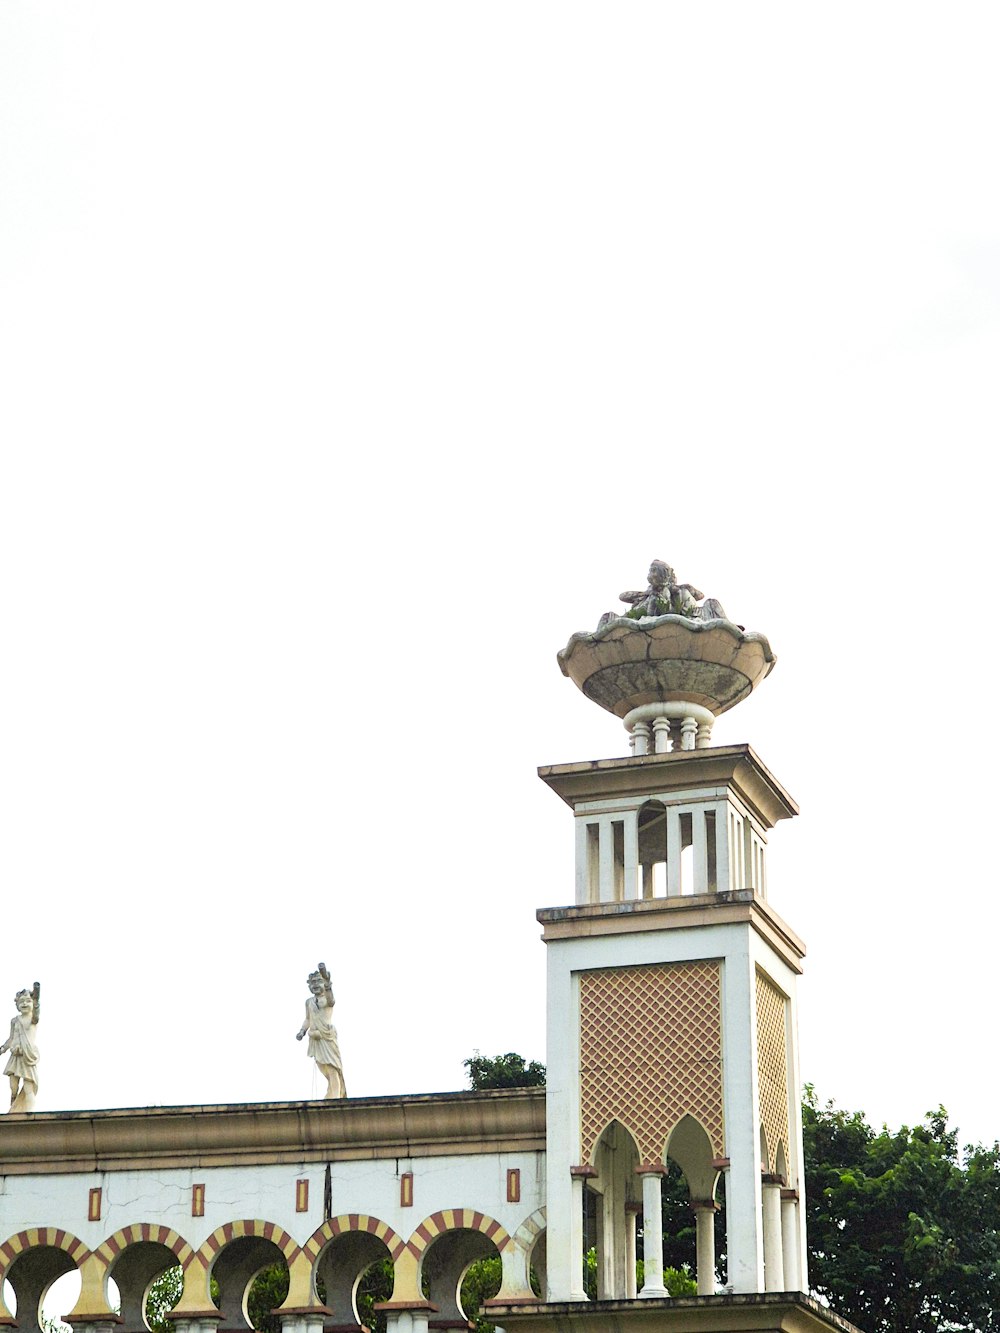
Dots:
(323, 1047)
(665, 597)
(21, 1048)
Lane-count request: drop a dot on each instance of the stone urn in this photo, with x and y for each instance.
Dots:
(667, 677)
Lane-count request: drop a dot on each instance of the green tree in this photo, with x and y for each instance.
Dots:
(903, 1228)
(503, 1071)
(268, 1289)
(375, 1286)
(678, 1281)
(161, 1298)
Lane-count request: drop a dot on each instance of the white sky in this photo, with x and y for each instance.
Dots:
(353, 356)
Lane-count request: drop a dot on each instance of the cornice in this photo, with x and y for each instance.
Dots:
(657, 774)
(270, 1133)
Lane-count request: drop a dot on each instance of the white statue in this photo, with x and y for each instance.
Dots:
(322, 1034)
(22, 1065)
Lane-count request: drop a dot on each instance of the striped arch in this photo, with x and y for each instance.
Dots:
(348, 1222)
(145, 1231)
(456, 1219)
(36, 1237)
(249, 1226)
(529, 1230)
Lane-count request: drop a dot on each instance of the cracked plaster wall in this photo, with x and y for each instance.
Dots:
(475, 1181)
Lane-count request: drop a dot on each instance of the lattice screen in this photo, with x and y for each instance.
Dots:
(772, 1067)
(651, 1052)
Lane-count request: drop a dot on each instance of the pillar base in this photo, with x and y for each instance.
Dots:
(791, 1312)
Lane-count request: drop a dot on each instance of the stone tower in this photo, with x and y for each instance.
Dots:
(671, 981)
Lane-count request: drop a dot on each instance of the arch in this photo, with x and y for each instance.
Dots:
(342, 1264)
(456, 1219)
(781, 1163)
(530, 1240)
(651, 825)
(599, 1139)
(134, 1258)
(347, 1222)
(765, 1148)
(616, 1157)
(252, 1228)
(448, 1255)
(36, 1237)
(526, 1236)
(31, 1260)
(196, 1299)
(689, 1144)
(235, 1254)
(140, 1232)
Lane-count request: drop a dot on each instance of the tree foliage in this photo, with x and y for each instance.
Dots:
(161, 1298)
(903, 1227)
(503, 1071)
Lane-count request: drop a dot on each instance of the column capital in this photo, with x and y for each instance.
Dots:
(651, 1169)
(704, 1206)
(583, 1172)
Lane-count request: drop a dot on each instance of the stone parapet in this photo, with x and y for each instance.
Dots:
(269, 1133)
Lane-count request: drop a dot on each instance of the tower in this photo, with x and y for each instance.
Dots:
(671, 1023)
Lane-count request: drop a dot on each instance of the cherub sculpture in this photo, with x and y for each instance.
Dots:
(665, 597)
(318, 1024)
(22, 1049)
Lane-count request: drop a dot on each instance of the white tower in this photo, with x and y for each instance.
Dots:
(671, 982)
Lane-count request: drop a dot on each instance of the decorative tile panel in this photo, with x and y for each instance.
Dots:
(772, 1068)
(650, 1053)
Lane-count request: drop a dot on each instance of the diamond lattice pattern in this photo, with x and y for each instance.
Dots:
(650, 1053)
(772, 1067)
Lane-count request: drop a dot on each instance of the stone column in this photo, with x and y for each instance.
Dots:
(790, 1239)
(632, 1211)
(579, 1174)
(774, 1271)
(200, 1323)
(661, 735)
(302, 1321)
(401, 1317)
(639, 738)
(652, 1174)
(704, 1217)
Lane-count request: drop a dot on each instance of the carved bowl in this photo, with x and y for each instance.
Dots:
(667, 659)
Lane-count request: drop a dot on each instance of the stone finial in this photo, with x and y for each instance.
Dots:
(666, 597)
(669, 665)
(21, 1048)
(323, 1047)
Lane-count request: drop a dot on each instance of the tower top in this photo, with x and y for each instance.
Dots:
(669, 665)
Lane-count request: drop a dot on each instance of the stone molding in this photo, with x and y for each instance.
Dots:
(272, 1133)
(736, 766)
(743, 907)
(767, 1312)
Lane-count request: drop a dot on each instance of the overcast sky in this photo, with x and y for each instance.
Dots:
(354, 356)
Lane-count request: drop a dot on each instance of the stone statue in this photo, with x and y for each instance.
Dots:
(22, 1045)
(665, 597)
(322, 1034)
